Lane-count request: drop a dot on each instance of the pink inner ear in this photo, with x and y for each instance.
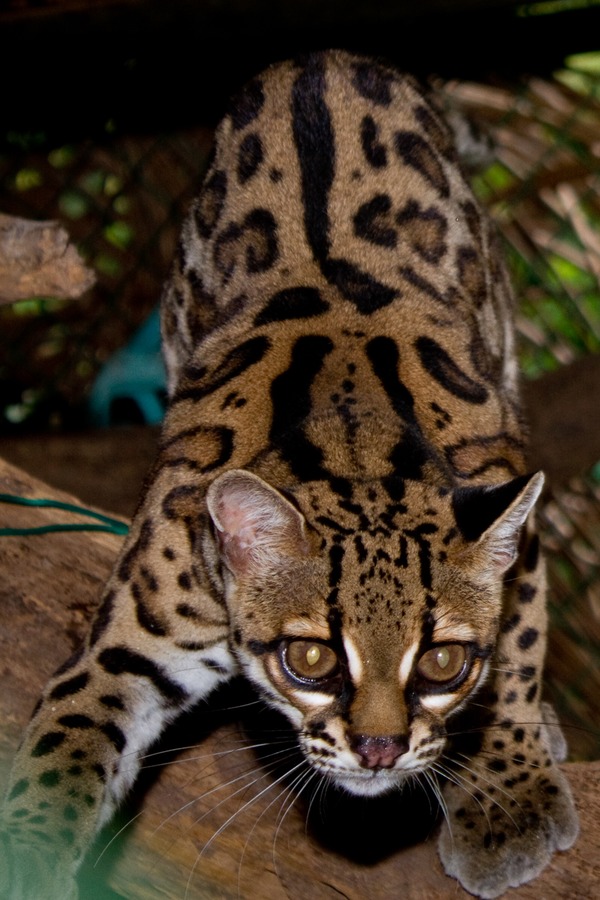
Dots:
(256, 525)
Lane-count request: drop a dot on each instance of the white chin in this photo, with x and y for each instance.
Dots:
(370, 786)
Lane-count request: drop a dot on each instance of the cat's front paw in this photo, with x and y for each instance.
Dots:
(497, 837)
(32, 871)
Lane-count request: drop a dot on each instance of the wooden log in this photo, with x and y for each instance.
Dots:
(212, 820)
(37, 259)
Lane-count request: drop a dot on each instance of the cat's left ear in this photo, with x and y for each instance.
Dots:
(491, 517)
(256, 525)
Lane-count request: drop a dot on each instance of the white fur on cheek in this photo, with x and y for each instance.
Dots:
(406, 663)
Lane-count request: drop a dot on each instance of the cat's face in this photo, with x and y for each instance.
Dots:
(366, 624)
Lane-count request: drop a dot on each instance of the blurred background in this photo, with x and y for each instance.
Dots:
(107, 116)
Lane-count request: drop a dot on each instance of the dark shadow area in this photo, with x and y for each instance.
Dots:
(164, 65)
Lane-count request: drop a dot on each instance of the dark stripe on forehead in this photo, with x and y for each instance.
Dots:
(424, 546)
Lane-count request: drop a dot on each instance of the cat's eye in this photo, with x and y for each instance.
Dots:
(443, 663)
(310, 660)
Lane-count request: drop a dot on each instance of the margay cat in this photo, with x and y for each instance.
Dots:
(338, 508)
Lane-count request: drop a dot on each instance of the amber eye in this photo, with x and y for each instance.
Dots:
(442, 664)
(310, 660)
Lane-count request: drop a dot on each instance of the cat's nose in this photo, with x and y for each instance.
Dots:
(378, 752)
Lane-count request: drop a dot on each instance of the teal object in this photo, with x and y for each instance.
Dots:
(135, 373)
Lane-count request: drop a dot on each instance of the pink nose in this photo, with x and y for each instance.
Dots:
(378, 752)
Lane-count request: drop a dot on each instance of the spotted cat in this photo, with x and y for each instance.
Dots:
(339, 508)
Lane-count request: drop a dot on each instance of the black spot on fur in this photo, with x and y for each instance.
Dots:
(313, 136)
(372, 222)
(112, 701)
(446, 372)
(290, 394)
(361, 288)
(48, 743)
(208, 207)
(292, 303)
(247, 354)
(410, 454)
(122, 660)
(511, 623)
(188, 612)
(146, 618)
(373, 83)
(215, 666)
(531, 693)
(50, 778)
(103, 618)
(528, 638)
(374, 151)
(526, 592)
(72, 686)
(526, 673)
(77, 720)
(115, 735)
(250, 157)
(417, 153)
(139, 546)
(184, 581)
(248, 104)
(253, 242)
(19, 788)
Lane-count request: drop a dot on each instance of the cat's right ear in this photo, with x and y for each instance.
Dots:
(256, 526)
(490, 518)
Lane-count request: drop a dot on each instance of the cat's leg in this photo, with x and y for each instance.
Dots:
(509, 807)
(158, 644)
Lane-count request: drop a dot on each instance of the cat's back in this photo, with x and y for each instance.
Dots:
(335, 206)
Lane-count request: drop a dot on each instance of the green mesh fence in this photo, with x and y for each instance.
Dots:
(121, 202)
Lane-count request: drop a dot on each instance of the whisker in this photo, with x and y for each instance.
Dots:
(223, 785)
(486, 794)
(431, 778)
(248, 804)
(289, 789)
(461, 782)
(478, 770)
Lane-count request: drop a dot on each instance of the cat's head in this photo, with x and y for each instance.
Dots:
(367, 614)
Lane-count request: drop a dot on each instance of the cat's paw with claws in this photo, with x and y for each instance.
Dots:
(497, 838)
